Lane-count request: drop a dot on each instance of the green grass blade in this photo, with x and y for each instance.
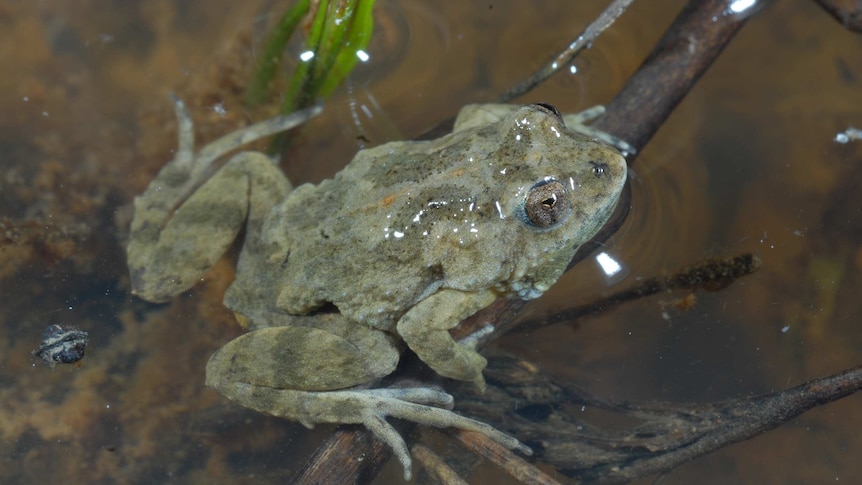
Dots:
(358, 37)
(298, 94)
(273, 51)
(337, 23)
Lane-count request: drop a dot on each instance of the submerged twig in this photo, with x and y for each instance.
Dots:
(848, 12)
(337, 459)
(567, 55)
(436, 466)
(663, 436)
(711, 274)
(513, 464)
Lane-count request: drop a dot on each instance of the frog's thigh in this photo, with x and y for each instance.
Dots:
(165, 261)
(425, 330)
(304, 358)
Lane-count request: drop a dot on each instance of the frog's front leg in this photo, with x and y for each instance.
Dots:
(578, 122)
(188, 216)
(425, 329)
(300, 372)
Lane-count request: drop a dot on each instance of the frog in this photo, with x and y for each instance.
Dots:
(335, 281)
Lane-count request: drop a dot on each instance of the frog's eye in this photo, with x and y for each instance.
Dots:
(547, 204)
(550, 109)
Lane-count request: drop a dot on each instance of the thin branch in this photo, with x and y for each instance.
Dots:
(337, 459)
(436, 466)
(664, 435)
(711, 274)
(718, 425)
(513, 464)
(848, 12)
(691, 44)
(567, 55)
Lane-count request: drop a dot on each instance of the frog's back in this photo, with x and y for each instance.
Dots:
(499, 206)
(357, 240)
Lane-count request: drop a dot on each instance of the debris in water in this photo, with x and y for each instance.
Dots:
(850, 134)
(62, 344)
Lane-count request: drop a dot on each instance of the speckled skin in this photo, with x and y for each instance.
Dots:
(405, 242)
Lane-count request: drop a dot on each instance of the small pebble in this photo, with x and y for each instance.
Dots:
(62, 344)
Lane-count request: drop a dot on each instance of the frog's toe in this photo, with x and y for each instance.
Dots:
(386, 433)
(472, 340)
(392, 403)
(418, 405)
(416, 395)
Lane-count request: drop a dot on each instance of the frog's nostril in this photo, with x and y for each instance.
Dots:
(549, 107)
(599, 169)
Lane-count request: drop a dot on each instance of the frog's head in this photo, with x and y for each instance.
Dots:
(561, 187)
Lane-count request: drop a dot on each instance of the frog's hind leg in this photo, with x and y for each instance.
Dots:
(179, 178)
(370, 408)
(170, 259)
(197, 165)
(188, 216)
(300, 372)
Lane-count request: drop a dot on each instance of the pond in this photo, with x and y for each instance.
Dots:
(746, 164)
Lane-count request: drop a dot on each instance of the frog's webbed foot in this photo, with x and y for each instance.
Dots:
(415, 404)
(370, 408)
(577, 122)
(375, 418)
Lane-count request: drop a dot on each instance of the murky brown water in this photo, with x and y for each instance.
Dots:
(746, 164)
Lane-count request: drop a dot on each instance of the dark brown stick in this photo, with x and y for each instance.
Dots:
(848, 12)
(648, 438)
(689, 47)
(337, 460)
(436, 466)
(505, 459)
(718, 425)
(711, 274)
